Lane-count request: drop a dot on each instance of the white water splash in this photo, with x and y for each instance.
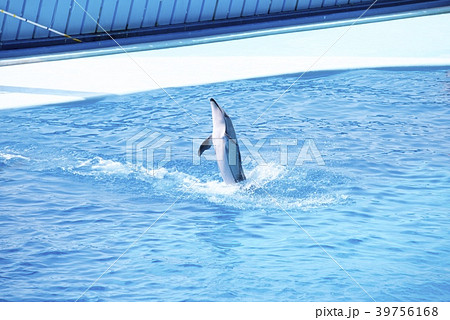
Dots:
(103, 167)
(263, 188)
(263, 174)
(98, 165)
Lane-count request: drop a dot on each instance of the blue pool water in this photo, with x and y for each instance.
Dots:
(71, 203)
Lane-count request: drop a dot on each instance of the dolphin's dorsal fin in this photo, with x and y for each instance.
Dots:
(205, 145)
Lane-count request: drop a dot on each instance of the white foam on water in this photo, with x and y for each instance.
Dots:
(155, 173)
(110, 167)
(263, 188)
(98, 165)
(308, 203)
(212, 188)
(257, 177)
(263, 174)
(9, 156)
(256, 193)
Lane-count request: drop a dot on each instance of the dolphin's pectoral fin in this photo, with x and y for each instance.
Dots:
(205, 145)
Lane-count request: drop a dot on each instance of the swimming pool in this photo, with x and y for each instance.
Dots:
(73, 201)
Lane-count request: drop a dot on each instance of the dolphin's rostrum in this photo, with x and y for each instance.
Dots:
(225, 144)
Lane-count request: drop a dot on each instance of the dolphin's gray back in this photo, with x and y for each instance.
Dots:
(229, 130)
(235, 162)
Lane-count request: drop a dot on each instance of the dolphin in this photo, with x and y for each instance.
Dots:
(223, 138)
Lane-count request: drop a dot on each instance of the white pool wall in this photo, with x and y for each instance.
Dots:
(417, 41)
